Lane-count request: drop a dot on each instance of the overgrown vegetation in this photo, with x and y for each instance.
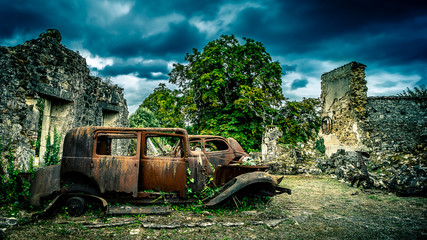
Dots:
(40, 108)
(230, 207)
(14, 184)
(299, 121)
(165, 106)
(233, 90)
(420, 91)
(143, 117)
(51, 156)
(319, 208)
(320, 145)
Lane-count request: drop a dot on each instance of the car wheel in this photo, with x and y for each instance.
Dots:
(75, 206)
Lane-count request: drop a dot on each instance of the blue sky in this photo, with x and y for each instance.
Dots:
(135, 42)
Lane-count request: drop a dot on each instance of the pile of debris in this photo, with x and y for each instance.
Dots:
(406, 178)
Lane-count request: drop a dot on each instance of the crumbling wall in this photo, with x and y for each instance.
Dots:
(269, 143)
(44, 72)
(287, 159)
(378, 125)
(344, 99)
(391, 132)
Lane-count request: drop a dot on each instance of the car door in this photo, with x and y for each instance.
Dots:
(115, 161)
(218, 151)
(163, 166)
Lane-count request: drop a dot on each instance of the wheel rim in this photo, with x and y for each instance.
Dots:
(75, 206)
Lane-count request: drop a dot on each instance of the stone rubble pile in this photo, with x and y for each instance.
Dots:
(406, 177)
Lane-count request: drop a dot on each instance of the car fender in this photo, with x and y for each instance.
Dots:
(240, 182)
(46, 182)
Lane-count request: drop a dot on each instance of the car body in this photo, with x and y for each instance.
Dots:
(218, 150)
(141, 165)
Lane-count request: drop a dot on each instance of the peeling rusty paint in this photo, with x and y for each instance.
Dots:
(45, 182)
(251, 181)
(142, 165)
(218, 150)
(223, 174)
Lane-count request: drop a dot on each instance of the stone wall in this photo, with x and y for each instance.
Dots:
(390, 131)
(396, 124)
(378, 125)
(44, 72)
(269, 143)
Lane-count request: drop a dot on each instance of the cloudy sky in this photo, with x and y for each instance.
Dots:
(136, 42)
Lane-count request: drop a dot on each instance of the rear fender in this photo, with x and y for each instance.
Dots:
(60, 199)
(242, 181)
(46, 182)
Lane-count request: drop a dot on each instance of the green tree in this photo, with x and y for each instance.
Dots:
(420, 91)
(143, 117)
(166, 107)
(299, 121)
(230, 89)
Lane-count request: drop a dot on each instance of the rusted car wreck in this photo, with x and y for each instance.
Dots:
(142, 165)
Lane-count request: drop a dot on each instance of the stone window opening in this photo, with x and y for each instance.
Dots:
(109, 118)
(326, 125)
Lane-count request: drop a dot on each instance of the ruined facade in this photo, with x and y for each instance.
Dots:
(269, 143)
(378, 125)
(344, 98)
(47, 88)
(378, 142)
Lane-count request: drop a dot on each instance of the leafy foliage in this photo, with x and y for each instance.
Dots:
(40, 108)
(51, 156)
(229, 207)
(229, 89)
(420, 91)
(320, 145)
(165, 107)
(15, 187)
(143, 117)
(299, 121)
(233, 90)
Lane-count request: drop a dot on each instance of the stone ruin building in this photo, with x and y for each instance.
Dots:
(47, 88)
(377, 125)
(380, 140)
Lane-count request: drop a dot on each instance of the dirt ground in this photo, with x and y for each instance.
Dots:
(319, 208)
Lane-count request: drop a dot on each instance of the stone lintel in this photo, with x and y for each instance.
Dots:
(56, 93)
(109, 107)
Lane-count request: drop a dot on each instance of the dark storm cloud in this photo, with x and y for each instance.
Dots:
(324, 26)
(141, 70)
(288, 68)
(187, 7)
(18, 20)
(175, 43)
(30, 18)
(307, 37)
(422, 81)
(299, 83)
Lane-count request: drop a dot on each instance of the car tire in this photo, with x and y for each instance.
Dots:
(75, 206)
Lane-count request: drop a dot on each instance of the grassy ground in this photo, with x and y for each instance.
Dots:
(319, 208)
